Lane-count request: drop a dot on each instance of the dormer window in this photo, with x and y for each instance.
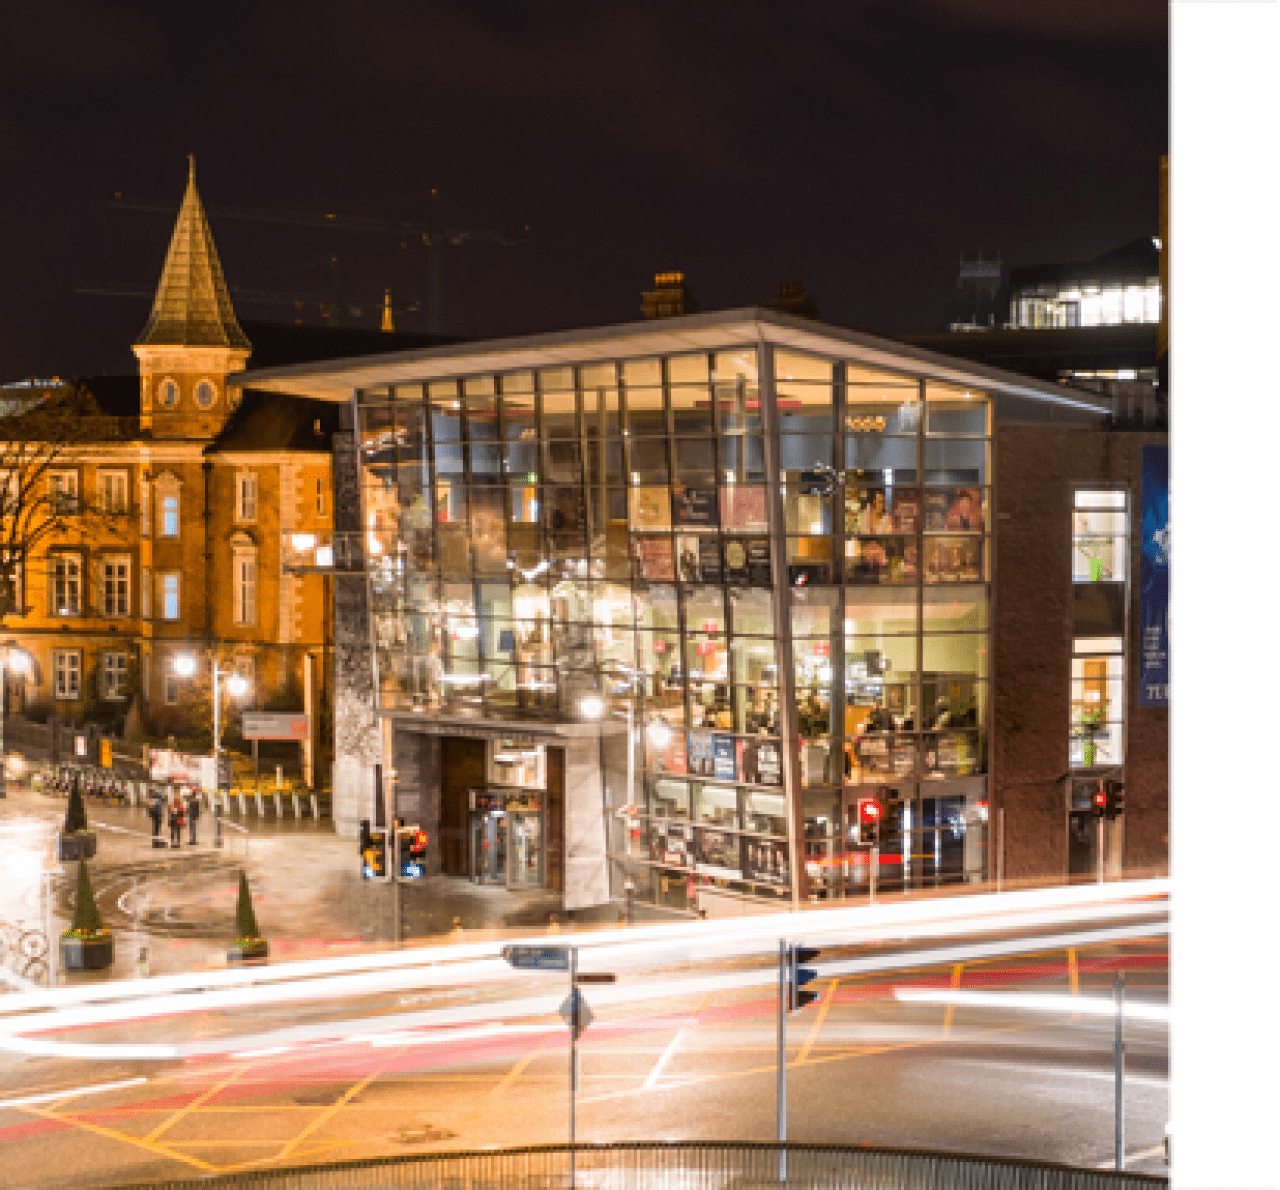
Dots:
(168, 393)
(205, 392)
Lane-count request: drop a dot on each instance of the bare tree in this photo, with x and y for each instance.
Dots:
(39, 449)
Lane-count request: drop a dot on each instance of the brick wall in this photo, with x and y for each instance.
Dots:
(1036, 470)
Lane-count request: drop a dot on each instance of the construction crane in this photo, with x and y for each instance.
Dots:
(433, 239)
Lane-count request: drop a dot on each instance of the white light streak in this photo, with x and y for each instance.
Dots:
(71, 1093)
(1034, 1002)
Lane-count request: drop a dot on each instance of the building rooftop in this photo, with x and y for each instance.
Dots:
(1137, 262)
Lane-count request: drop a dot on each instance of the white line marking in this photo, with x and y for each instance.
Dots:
(75, 1092)
(656, 1072)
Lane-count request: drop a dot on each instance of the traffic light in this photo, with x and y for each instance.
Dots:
(798, 996)
(1114, 791)
(870, 813)
(411, 852)
(1099, 805)
(373, 852)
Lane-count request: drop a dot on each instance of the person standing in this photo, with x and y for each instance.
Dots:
(175, 821)
(155, 810)
(193, 813)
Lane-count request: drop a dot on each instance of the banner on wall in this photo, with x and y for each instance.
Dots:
(1153, 597)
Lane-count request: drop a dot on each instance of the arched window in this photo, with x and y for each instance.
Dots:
(205, 392)
(168, 393)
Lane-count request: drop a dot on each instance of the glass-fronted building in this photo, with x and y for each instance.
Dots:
(670, 604)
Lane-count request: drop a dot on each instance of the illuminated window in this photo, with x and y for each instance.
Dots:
(169, 516)
(115, 586)
(66, 674)
(64, 585)
(1099, 536)
(169, 590)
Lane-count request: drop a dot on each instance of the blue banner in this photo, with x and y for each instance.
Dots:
(1153, 597)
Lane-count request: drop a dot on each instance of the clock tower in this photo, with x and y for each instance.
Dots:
(192, 341)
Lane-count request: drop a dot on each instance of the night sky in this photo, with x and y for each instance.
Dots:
(860, 147)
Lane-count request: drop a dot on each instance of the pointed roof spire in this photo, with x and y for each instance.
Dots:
(192, 307)
(388, 323)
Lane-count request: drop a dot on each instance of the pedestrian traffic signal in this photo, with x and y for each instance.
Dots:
(1114, 791)
(870, 813)
(798, 996)
(373, 852)
(411, 852)
(1099, 803)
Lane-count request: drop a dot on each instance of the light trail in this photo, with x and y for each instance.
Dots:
(1034, 1002)
(496, 1015)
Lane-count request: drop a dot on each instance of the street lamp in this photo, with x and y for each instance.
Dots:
(237, 686)
(18, 660)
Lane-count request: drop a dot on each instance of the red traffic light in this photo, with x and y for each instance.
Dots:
(1100, 798)
(869, 811)
(420, 840)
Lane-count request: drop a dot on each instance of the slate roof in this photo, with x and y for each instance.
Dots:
(267, 422)
(192, 307)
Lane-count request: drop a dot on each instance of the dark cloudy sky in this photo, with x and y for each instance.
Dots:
(860, 146)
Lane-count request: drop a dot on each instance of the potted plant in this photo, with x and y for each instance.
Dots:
(87, 945)
(248, 944)
(1090, 727)
(76, 840)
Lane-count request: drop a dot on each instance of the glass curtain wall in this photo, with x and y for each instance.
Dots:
(537, 536)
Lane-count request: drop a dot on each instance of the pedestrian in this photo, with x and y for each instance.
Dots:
(176, 817)
(155, 810)
(193, 813)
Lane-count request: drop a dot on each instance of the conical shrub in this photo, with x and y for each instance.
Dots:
(76, 819)
(88, 920)
(246, 922)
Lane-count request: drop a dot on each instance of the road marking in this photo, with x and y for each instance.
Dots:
(655, 1073)
(1145, 1154)
(823, 1009)
(164, 1125)
(519, 1068)
(72, 1093)
(140, 1142)
(949, 1012)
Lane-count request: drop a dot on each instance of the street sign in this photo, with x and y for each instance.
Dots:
(537, 958)
(274, 725)
(597, 977)
(576, 1013)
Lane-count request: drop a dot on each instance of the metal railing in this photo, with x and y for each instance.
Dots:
(677, 1165)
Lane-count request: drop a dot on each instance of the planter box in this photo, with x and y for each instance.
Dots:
(249, 952)
(80, 846)
(88, 954)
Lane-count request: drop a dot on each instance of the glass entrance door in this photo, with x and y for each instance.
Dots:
(488, 847)
(526, 848)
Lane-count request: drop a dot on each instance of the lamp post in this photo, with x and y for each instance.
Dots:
(18, 660)
(185, 666)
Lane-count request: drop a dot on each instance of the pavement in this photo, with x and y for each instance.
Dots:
(173, 910)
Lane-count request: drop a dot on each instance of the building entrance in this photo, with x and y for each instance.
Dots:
(488, 847)
(506, 840)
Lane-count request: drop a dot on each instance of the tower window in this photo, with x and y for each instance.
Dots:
(168, 393)
(205, 394)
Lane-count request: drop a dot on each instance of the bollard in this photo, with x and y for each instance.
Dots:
(226, 802)
(297, 807)
(279, 807)
(315, 808)
(240, 796)
(257, 798)
(217, 825)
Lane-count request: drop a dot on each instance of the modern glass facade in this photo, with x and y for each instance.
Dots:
(766, 570)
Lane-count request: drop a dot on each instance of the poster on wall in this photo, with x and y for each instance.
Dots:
(670, 757)
(759, 761)
(695, 505)
(724, 766)
(671, 843)
(765, 861)
(743, 507)
(702, 755)
(654, 559)
(717, 853)
(1153, 598)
